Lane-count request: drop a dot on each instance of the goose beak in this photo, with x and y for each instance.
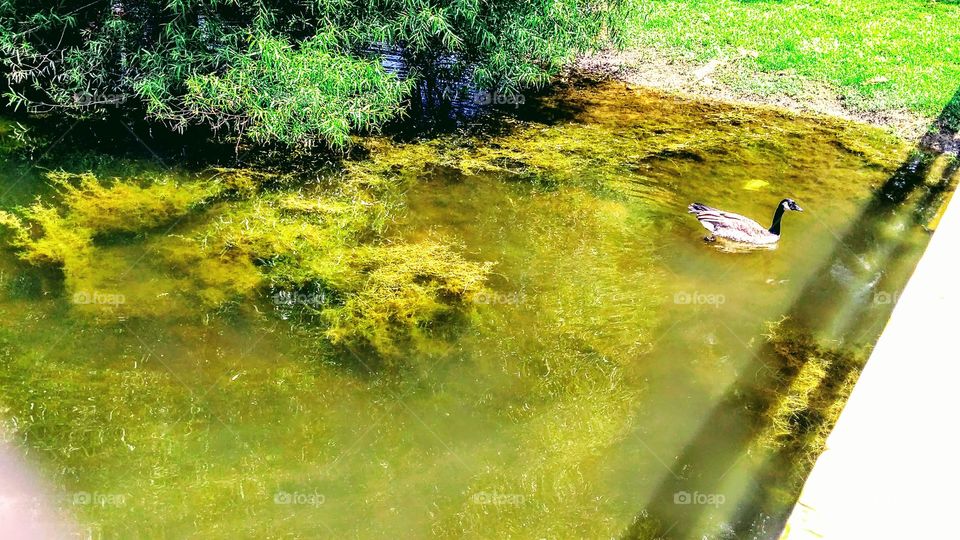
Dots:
(799, 209)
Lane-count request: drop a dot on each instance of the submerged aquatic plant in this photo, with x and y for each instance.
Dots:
(396, 293)
(814, 382)
(65, 235)
(628, 142)
(242, 183)
(124, 206)
(379, 295)
(44, 236)
(386, 296)
(89, 208)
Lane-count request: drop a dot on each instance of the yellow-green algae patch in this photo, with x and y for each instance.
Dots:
(75, 235)
(396, 289)
(88, 208)
(632, 141)
(375, 293)
(124, 206)
(812, 382)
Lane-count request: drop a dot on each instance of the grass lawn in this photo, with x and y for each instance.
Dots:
(878, 55)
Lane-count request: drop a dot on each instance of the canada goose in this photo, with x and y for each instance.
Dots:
(739, 228)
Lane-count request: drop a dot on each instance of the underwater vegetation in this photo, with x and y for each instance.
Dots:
(628, 142)
(241, 243)
(563, 387)
(393, 289)
(470, 335)
(568, 350)
(63, 237)
(812, 382)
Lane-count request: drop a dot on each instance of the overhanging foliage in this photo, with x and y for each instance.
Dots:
(296, 72)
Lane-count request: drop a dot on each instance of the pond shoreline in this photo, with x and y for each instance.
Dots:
(846, 489)
(652, 69)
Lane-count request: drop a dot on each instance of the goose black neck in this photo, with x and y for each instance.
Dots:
(777, 216)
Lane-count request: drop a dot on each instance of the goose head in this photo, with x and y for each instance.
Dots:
(789, 204)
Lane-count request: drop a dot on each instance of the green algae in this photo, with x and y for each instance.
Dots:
(276, 241)
(374, 294)
(566, 347)
(56, 240)
(549, 482)
(124, 206)
(398, 291)
(146, 426)
(628, 140)
(242, 183)
(812, 383)
(65, 236)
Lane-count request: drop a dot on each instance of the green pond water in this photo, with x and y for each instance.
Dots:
(615, 377)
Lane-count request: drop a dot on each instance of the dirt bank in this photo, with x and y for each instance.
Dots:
(722, 77)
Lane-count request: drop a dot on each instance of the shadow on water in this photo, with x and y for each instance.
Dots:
(866, 267)
(444, 101)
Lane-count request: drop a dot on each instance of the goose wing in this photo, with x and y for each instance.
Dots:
(718, 221)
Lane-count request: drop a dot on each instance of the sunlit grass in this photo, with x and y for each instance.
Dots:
(878, 55)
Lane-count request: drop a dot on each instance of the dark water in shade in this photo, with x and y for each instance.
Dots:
(599, 391)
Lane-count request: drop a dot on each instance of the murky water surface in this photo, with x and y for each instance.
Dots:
(618, 377)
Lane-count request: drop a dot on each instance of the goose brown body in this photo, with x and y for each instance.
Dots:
(738, 228)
